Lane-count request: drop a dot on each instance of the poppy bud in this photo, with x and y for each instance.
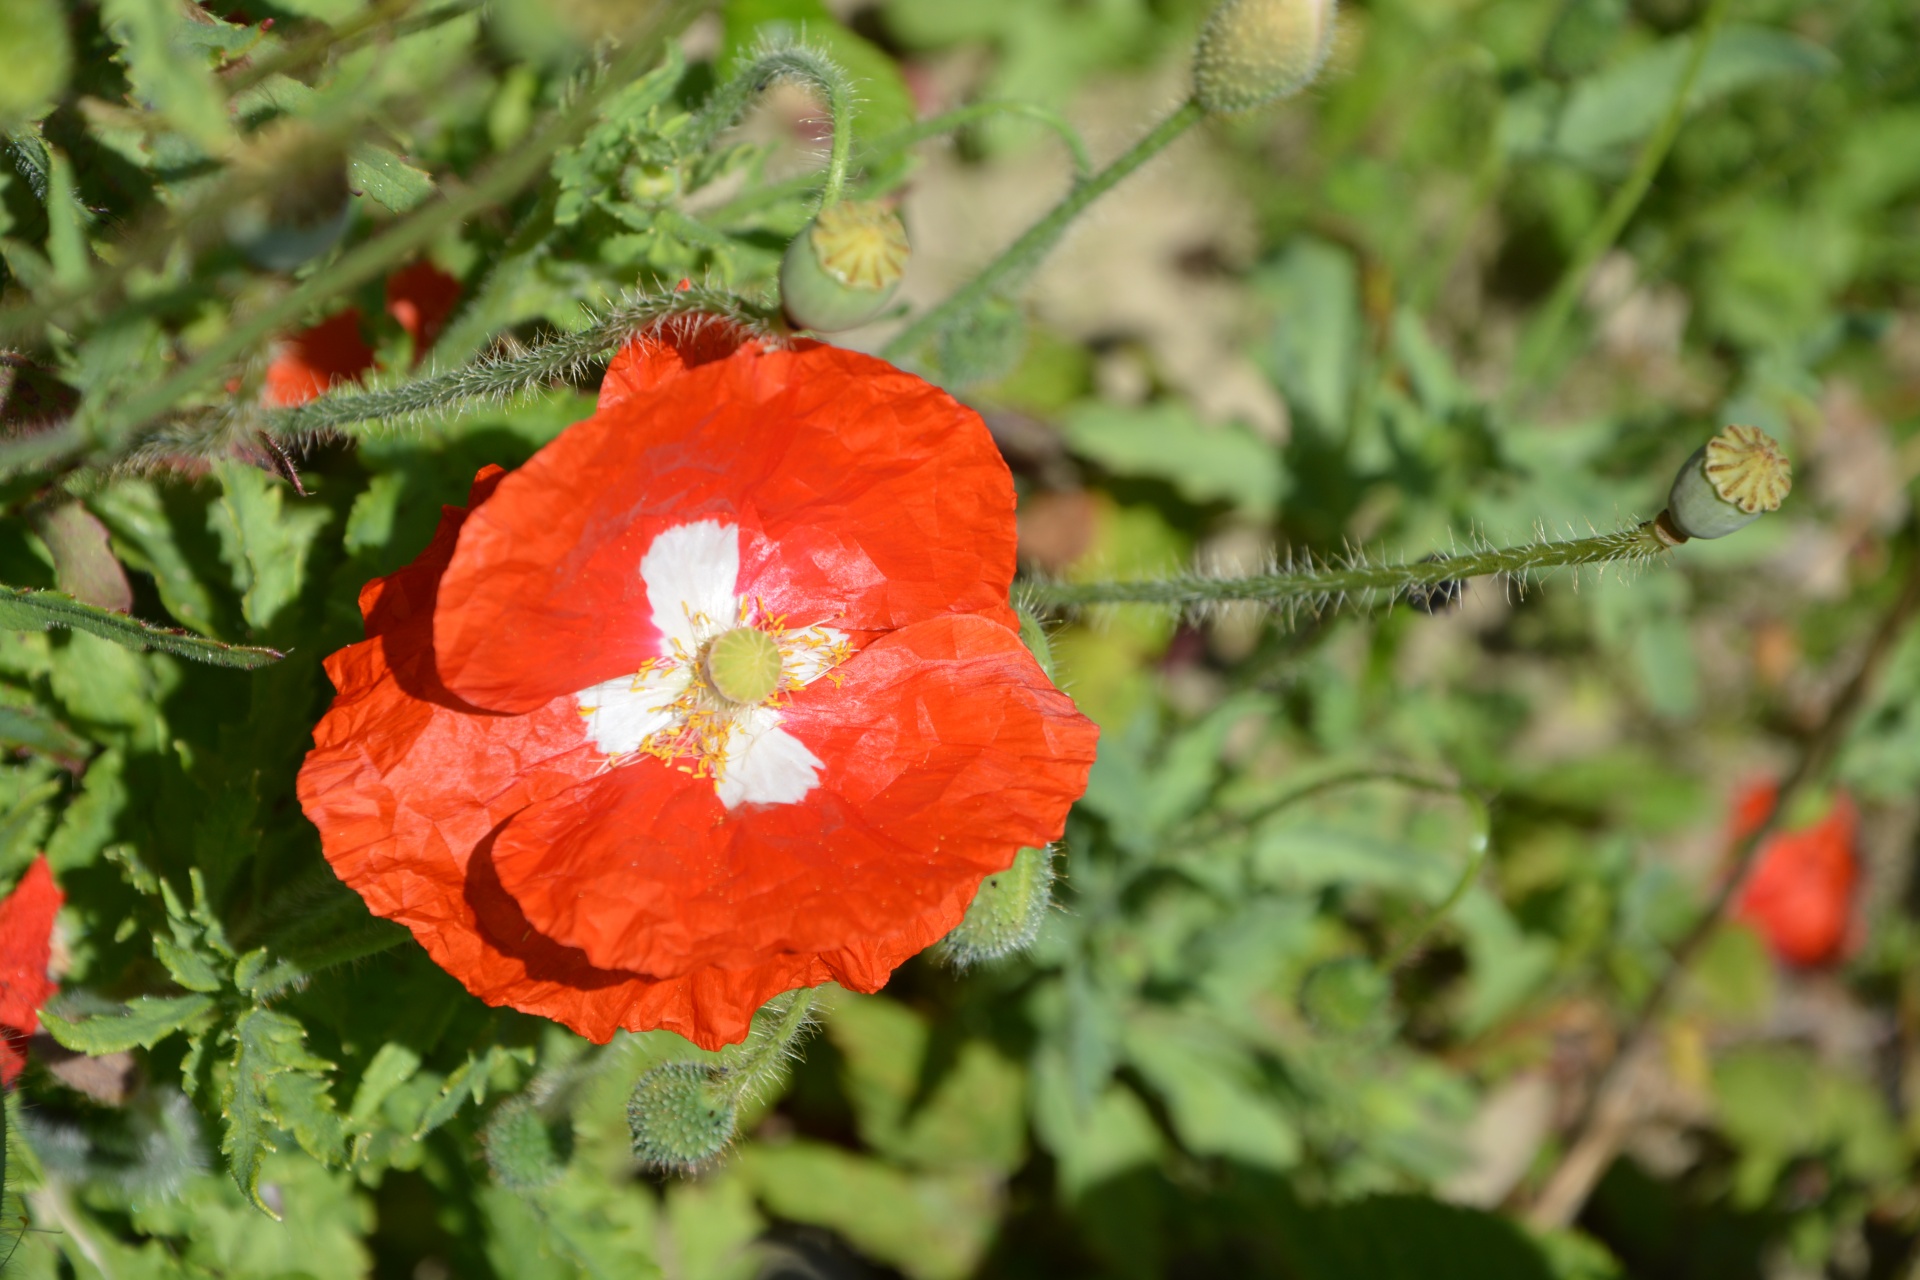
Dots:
(1728, 483)
(680, 1117)
(1252, 52)
(520, 1148)
(843, 269)
(1006, 914)
(1347, 997)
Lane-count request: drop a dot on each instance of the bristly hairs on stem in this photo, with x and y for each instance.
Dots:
(492, 381)
(1304, 584)
(772, 60)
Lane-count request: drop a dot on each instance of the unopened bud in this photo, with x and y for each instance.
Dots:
(521, 1148)
(1728, 483)
(680, 1116)
(1252, 52)
(1348, 997)
(845, 267)
(1006, 913)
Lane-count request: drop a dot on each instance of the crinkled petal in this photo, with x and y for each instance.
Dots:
(26, 945)
(864, 498)
(408, 787)
(945, 750)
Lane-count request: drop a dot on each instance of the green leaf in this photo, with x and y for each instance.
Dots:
(1406, 1238)
(29, 729)
(386, 179)
(142, 1023)
(930, 1227)
(167, 72)
(147, 538)
(469, 1082)
(66, 224)
(23, 609)
(32, 84)
(391, 1067)
(1213, 1093)
(1624, 103)
(267, 1045)
(265, 542)
(1166, 441)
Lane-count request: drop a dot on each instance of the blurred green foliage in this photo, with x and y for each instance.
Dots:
(1217, 1057)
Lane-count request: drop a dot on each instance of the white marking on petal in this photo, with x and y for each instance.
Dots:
(622, 713)
(691, 571)
(765, 764)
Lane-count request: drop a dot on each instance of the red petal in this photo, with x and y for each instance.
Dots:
(404, 786)
(26, 945)
(865, 498)
(1800, 896)
(310, 361)
(946, 750)
(420, 298)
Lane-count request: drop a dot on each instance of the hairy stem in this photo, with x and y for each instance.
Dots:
(1019, 259)
(762, 1057)
(1544, 334)
(785, 62)
(1315, 585)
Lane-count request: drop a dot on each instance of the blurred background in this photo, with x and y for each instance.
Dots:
(1282, 1022)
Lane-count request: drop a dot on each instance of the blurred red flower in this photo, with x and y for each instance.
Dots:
(26, 945)
(304, 366)
(718, 696)
(1800, 893)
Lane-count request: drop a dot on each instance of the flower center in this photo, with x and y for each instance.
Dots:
(744, 665)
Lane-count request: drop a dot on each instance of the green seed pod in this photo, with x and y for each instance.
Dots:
(680, 1117)
(1006, 914)
(1728, 483)
(844, 268)
(1252, 52)
(521, 1148)
(1348, 997)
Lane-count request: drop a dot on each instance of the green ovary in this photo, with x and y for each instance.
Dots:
(744, 665)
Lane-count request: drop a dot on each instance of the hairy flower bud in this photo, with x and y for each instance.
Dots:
(680, 1116)
(844, 268)
(521, 1148)
(1728, 483)
(1006, 914)
(1347, 997)
(1252, 52)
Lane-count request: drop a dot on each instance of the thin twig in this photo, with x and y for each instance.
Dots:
(1611, 1107)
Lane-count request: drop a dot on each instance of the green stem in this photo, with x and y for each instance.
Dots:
(762, 1057)
(1544, 335)
(1482, 840)
(1316, 586)
(790, 62)
(901, 140)
(1019, 259)
(506, 176)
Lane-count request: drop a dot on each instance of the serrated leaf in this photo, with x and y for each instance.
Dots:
(266, 1044)
(386, 179)
(24, 609)
(303, 1105)
(185, 963)
(264, 541)
(467, 1083)
(166, 72)
(142, 1023)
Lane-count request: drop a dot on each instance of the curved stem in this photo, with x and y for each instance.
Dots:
(1544, 334)
(1318, 586)
(901, 140)
(1023, 255)
(1482, 840)
(787, 62)
(760, 1059)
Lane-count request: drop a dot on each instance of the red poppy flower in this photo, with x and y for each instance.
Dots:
(420, 298)
(306, 364)
(718, 696)
(26, 945)
(1800, 895)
